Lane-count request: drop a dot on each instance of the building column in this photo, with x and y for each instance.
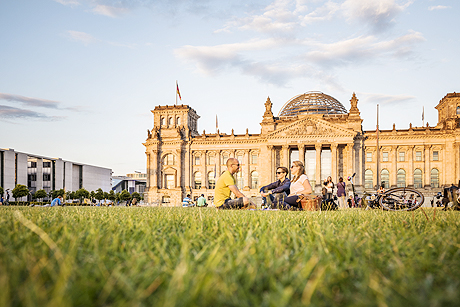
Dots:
(187, 170)
(360, 168)
(39, 175)
(410, 176)
(302, 153)
(154, 169)
(334, 163)
(318, 164)
(247, 168)
(285, 156)
(179, 169)
(427, 172)
(348, 159)
(394, 172)
(271, 163)
(204, 176)
(218, 163)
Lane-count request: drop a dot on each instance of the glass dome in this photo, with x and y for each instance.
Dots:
(312, 103)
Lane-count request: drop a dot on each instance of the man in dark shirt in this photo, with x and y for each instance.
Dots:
(275, 192)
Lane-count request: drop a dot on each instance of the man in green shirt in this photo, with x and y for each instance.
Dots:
(227, 184)
(201, 201)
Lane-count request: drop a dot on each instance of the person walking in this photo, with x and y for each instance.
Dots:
(227, 184)
(274, 193)
(341, 193)
(300, 185)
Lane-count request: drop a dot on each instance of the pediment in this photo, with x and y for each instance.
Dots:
(311, 127)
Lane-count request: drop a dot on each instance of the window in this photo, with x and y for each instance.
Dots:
(434, 178)
(162, 121)
(368, 179)
(458, 110)
(197, 180)
(211, 160)
(254, 159)
(418, 179)
(418, 156)
(310, 165)
(435, 155)
(46, 177)
(326, 164)
(254, 180)
(212, 180)
(239, 180)
(401, 178)
(165, 199)
(168, 159)
(197, 160)
(385, 156)
(402, 156)
(46, 164)
(170, 182)
(240, 158)
(385, 178)
(178, 121)
(224, 159)
(368, 156)
(170, 121)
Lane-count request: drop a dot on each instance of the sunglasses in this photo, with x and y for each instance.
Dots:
(280, 172)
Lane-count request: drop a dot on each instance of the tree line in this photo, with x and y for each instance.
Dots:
(20, 191)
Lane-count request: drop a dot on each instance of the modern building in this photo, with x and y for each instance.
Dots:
(38, 172)
(312, 127)
(134, 182)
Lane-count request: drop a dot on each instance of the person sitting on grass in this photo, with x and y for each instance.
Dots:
(227, 184)
(56, 202)
(187, 202)
(300, 185)
(275, 192)
(201, 201)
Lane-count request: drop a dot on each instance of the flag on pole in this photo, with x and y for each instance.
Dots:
(178, 93)
(217, 124)
(423, 114)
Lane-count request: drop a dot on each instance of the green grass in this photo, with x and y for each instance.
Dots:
(78, 256)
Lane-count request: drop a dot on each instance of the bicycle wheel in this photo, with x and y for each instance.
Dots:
(401, 199)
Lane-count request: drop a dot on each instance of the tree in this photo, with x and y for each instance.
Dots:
(99, 195)
(40, 194)
(111, 196)
(57, 193)
(82, 193)
(124, 195)
(136, 195)
(20, 191)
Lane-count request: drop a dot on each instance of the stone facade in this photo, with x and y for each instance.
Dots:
(182, 161)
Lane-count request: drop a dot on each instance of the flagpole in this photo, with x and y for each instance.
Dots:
(175, 90)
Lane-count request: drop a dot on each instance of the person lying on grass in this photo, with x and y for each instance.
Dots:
(300, 185)
(227, 184)
(274, 193)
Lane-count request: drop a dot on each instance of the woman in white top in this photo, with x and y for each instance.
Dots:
(300, 185)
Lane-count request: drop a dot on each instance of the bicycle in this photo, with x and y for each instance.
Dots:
(396, 199)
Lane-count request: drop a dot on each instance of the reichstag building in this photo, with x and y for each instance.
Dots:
(312, 127)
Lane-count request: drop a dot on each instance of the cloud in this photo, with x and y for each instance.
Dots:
(8, 112)
(34, 102)
(385, 99)
(378, 14)
(361, 49)
(82, 37)
(68, 2)
(438, 7)
(110, 11)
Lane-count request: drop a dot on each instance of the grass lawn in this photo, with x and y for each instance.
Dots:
(87, 256)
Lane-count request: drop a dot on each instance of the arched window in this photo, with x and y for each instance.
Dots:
(418, 183)
(162, 121)
(224, 158)
(458, 110)
(170, 121)
(385, 178)
(434, 178)
(239, 180)
(401, 178)
(211, 159)
(178, 121)
(368, 179)
(197, 180)
(170, 181)
(212, 180)
(169, 159)
(254, 180)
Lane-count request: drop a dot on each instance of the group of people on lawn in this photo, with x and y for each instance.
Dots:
(281, 194)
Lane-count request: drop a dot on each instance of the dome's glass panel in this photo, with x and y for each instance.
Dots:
(312, 103)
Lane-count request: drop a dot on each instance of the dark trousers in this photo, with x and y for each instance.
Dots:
(274, 200)
(236, 203)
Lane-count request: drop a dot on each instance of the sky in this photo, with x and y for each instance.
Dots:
(78, 78)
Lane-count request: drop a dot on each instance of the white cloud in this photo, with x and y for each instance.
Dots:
(82, 37)
(68, 2)
(385, 99)
(35, 102)
(379, 14)
(110, 11)
(438, 7)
